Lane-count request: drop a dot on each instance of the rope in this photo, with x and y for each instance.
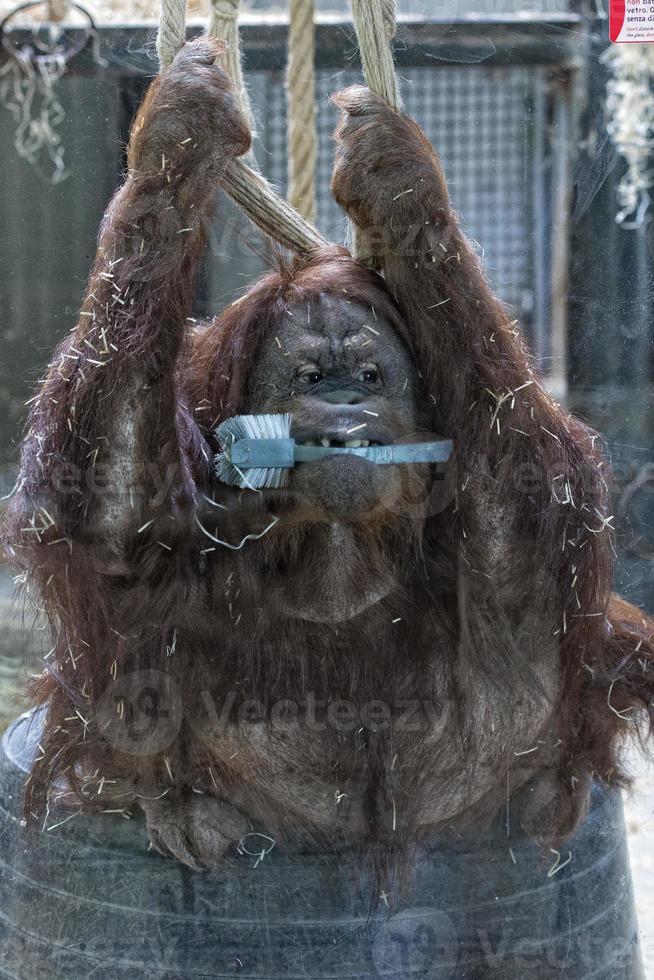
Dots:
(375, 25)
(374, 22)
(248, 189)
(57, 10)
(223, 24)
(270, 212)
(172, 30)
(300, 84)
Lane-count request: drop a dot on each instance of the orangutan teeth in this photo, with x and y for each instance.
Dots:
(337, 443)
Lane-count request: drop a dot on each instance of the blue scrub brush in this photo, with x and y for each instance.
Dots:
(258, 450)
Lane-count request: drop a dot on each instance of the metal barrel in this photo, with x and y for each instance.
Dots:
(85, 898)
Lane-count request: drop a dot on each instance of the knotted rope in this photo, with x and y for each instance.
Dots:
(301, 85)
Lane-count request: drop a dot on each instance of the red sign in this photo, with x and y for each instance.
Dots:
(631, 21)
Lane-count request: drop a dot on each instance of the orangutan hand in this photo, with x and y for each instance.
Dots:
(387, 175)
(189, 123)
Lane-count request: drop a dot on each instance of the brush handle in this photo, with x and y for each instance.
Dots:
(285, 453)
(410, 452)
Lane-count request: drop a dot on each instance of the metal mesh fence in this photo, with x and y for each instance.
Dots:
(480, 120)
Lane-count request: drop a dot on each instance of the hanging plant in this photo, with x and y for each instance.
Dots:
(630, 124)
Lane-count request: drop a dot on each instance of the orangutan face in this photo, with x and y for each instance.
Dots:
(348, 380)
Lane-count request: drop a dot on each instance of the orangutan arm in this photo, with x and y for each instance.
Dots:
(102, 456)
(530, 493)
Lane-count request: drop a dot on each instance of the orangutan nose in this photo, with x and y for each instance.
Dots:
(343, 396)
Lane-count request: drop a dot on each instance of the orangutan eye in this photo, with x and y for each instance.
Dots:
(310, 374)
(369, 374)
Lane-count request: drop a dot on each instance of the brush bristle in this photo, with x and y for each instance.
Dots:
(254, 427)
(251, 427)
